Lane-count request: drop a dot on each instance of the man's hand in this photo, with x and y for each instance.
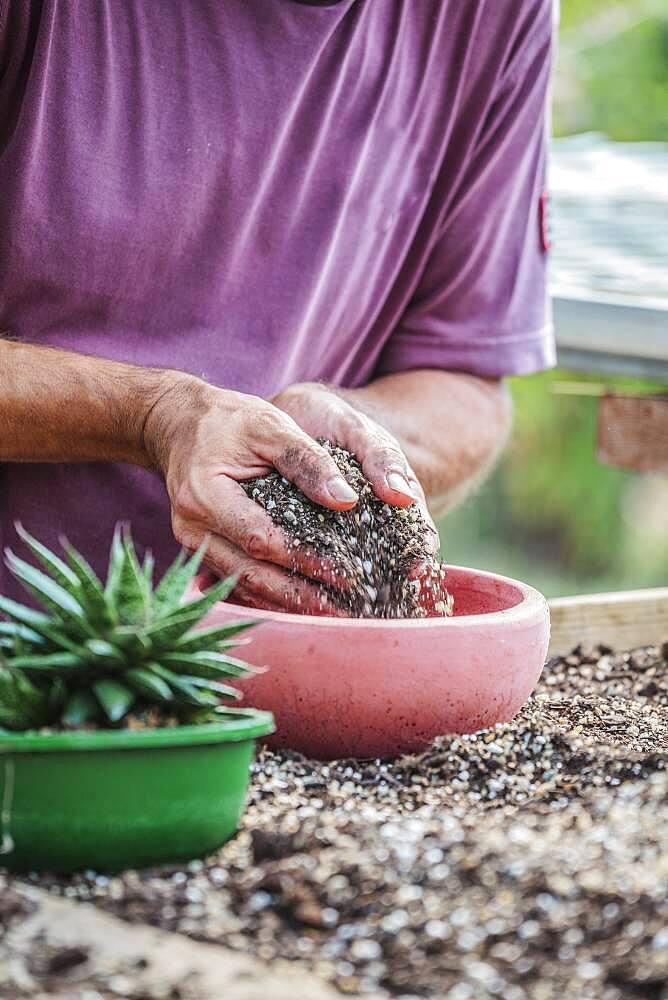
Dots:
(323, 413)
(205, 440)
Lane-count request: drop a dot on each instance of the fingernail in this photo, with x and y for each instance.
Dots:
(400, 484)
(341, 491)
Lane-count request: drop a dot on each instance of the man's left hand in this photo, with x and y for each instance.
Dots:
(322, 413)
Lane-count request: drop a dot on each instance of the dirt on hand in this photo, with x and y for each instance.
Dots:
(375, 547)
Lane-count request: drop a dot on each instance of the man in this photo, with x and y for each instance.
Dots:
(230, 228)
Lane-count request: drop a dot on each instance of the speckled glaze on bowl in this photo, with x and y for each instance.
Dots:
(365, 688)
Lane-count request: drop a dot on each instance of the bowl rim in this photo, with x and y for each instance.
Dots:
(242, 724)
(532, 604)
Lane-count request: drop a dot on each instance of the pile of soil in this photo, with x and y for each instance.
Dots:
(375, 547)
(525, 862)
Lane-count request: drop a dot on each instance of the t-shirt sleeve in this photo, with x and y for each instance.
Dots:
(481, 304)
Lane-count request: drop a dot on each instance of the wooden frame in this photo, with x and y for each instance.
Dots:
(622, 620)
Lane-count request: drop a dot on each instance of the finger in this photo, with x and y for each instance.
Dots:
(382, 459)
(304, 462)
(244, 523)
(386, 467)
(263, 585)
(394, 481)
(252, 602)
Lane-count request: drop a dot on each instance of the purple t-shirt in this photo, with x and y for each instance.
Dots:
(263, 192)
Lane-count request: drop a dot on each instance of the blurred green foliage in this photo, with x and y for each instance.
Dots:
(613, 69)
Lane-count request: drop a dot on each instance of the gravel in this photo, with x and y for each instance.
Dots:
(526, 862)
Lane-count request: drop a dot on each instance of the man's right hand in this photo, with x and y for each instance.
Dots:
(204, 441)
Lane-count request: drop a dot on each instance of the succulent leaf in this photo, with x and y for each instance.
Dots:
(92, 594)
(215, 687)
(105, 651)
(166, 631)
(81, 707)
(49, 661)
(175, 582)
(101, 651)
(27, 616)
(147, 568)
(187, 691)
(146, 683)
(115, 698)
(115, 569)
(57, 696)
(14, 630)
(59, 570)
(51, 594)
(206, 664)
(205, 638)
(133, 598)
(23, 705)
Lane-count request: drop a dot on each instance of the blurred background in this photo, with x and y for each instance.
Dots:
(551, 514)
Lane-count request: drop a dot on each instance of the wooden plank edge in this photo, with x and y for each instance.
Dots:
(621, 620)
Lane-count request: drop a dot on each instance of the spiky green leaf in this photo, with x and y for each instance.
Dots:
(49, 661)
(185, 691)
(147, 568)
(148, 684)
(205, 664)
(82, 663)
(23, 705)
(20, 613)
(15, 630)
(116, 564)
(210, 638)
(215, 687)
(133, 597)
(81, 707)
(51, 594)
(104, 652)
(56, 697)
(61, 573)
(98, 606)
(115, 698)
(166, 632)
(172, 587)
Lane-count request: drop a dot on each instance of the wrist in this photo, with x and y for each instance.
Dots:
(172, 400)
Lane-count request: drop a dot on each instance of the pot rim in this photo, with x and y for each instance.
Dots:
(531, 603)
(243, 724)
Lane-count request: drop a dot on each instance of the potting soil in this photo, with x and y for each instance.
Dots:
(375, 548)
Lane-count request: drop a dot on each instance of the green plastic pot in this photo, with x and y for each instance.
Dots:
(110, 800)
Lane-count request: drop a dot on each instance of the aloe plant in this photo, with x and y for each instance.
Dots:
(99, 652)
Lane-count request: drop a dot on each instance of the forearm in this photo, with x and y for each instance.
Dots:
(451, 425)
(59, 406)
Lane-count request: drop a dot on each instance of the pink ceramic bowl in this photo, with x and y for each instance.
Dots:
(343, 687)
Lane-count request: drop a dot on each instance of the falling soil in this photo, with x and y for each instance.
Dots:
(525, 862)
(375, 547)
